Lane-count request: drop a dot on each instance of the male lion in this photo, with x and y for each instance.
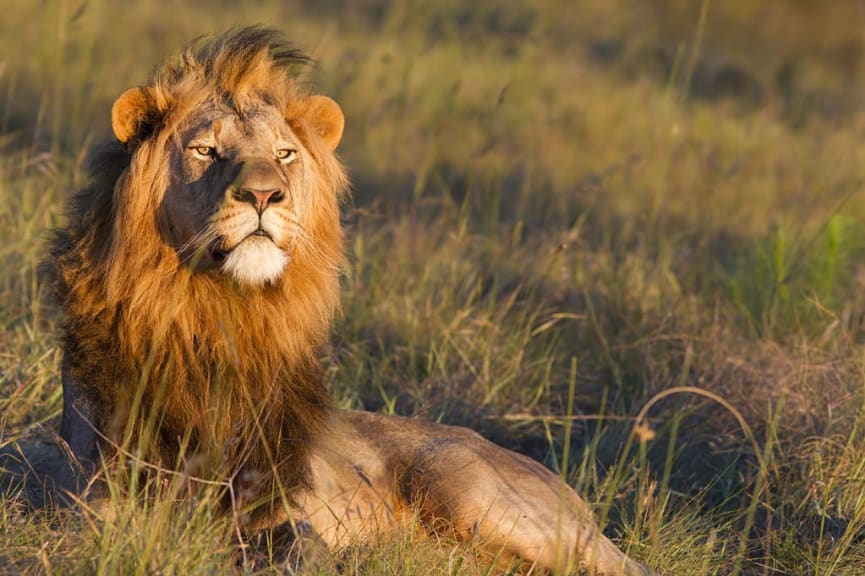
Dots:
(199, 277)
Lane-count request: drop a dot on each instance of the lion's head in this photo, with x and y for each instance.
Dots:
(240, 165)
(203, 261)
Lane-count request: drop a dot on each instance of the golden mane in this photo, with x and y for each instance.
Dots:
(197, 348)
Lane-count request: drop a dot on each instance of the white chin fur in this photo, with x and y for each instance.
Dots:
(256, 262)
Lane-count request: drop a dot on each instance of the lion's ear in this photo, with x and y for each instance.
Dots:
(135, 114)
(325, 117)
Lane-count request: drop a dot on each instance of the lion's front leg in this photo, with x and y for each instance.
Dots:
(48, 469)
(78, 430)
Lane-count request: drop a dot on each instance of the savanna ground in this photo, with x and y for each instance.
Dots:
(561, 211)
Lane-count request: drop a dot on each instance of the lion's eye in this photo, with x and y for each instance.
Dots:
(285, 155)
(204, 152)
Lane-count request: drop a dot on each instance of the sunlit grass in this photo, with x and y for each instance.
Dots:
(535, 189)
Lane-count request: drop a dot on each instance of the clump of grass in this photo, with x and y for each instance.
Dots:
(787, 284)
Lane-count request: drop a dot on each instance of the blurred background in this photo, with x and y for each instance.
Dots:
(561, 210)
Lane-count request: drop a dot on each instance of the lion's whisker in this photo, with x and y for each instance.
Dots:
(311, 248)
(197, 244)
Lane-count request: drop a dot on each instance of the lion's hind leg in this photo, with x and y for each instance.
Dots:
(510, 504)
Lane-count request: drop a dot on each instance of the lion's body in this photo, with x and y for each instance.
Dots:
(199, 277)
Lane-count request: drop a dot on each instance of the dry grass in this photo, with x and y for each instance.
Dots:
(533, 185)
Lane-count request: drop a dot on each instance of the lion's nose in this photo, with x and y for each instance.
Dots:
(258, 182)
(259, 198)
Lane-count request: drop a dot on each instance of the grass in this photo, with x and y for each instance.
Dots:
(560, 213)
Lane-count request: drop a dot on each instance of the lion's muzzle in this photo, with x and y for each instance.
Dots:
(259, 183)
(253, 244)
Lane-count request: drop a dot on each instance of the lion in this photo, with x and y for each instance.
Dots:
(199, 275)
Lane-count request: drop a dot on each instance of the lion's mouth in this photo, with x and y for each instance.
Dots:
(218, 251)
(218, 255)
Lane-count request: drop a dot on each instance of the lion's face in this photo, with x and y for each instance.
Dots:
(242, 186)
(239, 192)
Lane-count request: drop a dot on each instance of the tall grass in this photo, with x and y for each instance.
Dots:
(562, 212)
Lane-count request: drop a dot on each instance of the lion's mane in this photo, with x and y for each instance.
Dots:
(232, 373)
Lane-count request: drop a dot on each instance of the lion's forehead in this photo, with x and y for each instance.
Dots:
(258, 127)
